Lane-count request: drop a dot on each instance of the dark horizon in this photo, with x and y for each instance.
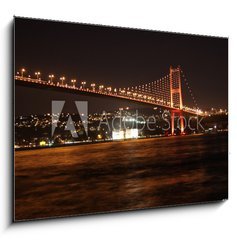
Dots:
(118, 57)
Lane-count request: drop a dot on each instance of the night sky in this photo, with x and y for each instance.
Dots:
(116, 57)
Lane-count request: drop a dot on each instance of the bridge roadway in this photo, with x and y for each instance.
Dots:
(24, 81)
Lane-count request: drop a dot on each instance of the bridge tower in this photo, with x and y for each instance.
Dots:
(176, 100)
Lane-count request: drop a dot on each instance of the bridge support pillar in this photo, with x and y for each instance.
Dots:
(172, 122)
(180, 121)
(181, 124)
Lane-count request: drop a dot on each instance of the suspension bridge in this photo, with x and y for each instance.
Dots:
(165, 92)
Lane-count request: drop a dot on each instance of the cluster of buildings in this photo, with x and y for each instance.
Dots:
(36, 130)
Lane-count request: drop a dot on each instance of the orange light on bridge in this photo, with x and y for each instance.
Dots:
(62, 79)
(51, 76)
(22, 72)
(37, 74)
(101, 87)
(73, 81)
(93, 86)
(83, 84)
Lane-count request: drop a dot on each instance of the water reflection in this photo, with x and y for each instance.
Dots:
(120, 175)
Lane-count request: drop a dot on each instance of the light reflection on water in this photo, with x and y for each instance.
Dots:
(124, 175)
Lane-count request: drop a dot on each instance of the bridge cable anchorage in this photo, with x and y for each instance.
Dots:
(189, 89)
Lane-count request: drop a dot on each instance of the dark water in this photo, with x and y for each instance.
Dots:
(120, 175)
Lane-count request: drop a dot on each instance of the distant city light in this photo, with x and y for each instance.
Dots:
(42, 143)
(131, 133)
(127, 134)
(99, 136)
(118, 135)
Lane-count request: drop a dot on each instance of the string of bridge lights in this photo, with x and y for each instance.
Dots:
(61, 79)
(156, 91)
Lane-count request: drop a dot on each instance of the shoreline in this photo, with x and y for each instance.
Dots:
(106, 141)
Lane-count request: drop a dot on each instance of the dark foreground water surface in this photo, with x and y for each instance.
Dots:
(120, 175)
